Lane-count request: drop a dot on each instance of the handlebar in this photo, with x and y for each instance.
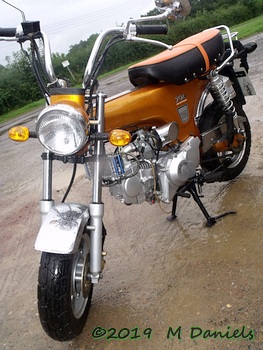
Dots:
(152, 29)
(129, 32)
(8, 32)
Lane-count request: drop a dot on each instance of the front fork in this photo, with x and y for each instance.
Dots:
(96, 208)
(47, 202)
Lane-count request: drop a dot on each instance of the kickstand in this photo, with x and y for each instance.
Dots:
(191, 188)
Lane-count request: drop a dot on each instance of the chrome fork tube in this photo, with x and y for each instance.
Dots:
(97, 207)
(47, 202)
(96, 214)
(99, 151)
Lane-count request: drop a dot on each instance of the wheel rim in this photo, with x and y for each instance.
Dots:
(80, 286)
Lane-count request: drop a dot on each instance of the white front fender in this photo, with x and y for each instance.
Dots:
(62, 229)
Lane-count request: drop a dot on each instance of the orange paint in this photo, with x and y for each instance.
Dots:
(157, 105)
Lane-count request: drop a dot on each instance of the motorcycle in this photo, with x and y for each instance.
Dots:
(181, 126)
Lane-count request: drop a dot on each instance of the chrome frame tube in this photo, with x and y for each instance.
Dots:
(202, 102)
(229, 58)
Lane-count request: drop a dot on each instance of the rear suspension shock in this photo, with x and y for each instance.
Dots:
(222, 92)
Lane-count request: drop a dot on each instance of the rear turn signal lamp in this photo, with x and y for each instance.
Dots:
(120, 138)
(19, 133)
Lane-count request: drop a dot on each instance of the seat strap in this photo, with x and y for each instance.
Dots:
(205, 56)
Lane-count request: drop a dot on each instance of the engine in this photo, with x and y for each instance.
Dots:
(151, 167)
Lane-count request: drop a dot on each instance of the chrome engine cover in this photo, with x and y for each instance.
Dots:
(175, 169)
(152, 178)
(136, 189)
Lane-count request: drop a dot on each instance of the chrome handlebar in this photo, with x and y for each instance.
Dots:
(128, 32)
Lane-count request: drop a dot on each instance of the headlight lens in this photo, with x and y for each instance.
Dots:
(61, 129)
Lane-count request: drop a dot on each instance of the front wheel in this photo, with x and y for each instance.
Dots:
(212, 160)
(64, 292)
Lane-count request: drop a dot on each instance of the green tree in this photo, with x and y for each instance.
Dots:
(17, 83)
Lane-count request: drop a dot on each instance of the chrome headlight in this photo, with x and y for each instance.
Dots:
(61, 129)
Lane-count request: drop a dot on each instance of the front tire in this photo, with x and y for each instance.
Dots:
(64, 292)
(213, 116)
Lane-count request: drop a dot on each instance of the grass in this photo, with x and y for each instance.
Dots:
(244, 30)
(23, 110)
(249, 28)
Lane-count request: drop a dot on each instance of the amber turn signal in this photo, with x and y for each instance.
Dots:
(19, 133)
(120, 137)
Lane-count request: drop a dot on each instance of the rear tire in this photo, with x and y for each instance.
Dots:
(211, 160)
(64, 292)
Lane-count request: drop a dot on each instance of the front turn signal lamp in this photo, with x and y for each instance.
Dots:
(19, 133)
(120, 138)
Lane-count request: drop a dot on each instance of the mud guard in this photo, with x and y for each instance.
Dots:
(62, 229)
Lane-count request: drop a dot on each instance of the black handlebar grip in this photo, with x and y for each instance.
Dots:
(152, 29)
(250, 47)
(8, 32)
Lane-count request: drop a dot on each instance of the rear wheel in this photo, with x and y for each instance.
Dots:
(237, 157)
(64, 292)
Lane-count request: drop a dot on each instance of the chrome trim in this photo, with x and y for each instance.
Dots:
(201, 103)
(48, 60)
(95, 52)
(128, 33)
(229, 58)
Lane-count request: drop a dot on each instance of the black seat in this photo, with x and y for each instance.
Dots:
(188, 59)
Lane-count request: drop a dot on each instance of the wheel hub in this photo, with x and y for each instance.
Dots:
(81, 285)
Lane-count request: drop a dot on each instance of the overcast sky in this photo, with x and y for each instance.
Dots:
(68, 21)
